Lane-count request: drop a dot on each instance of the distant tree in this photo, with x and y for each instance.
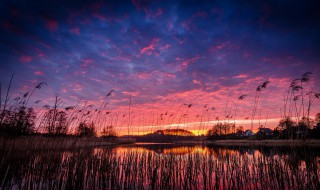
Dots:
(56, 122)
(315, 132)
(219, 131)
(287, 128)
(228, 128)
(25, 120)
(86, 130)
(276, 132)
(179, 132)
(260, 134)
(218, 128)
(265, 133)
(317, 119)
(303, 127)
(18, 122)
(212, 132)
(108, 131)
(239, 129)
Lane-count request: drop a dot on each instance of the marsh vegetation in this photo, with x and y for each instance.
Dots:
(55, 146)
(168, 167)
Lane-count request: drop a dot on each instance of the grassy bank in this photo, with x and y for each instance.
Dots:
(310, 142)
(43, 142)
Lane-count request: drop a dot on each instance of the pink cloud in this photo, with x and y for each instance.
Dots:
(167, 46)
(86, 63)
(52, 25)
(185, 63)
(168, 75)
(155, 74)
(64, 90)
(196, 81)
(150, 48)
(75, 30)
(241, 76)
(26, 59)
(41, 54)
(133, 94)
(143, 75)
(38, 73)
(218, 47)
(180, 40)
(77, 87)
(227, 45)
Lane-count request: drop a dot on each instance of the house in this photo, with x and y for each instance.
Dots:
(248, 133)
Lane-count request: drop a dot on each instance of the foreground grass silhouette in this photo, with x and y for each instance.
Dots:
(142, 168)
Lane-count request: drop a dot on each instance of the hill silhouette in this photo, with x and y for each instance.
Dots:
(166, 135)
(178, 132)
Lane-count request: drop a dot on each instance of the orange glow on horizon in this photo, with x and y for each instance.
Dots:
(194, 127)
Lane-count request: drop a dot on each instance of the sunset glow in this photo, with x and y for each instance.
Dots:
(166, 64)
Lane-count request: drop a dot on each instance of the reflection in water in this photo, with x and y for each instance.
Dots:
(162, 167)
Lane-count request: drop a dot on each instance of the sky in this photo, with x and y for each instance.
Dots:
(171, 63)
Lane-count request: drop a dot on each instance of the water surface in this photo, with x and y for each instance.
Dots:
(162, 166)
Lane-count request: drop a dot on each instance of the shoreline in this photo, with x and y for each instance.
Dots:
(59, 143)
(310, 142)
(65, 143)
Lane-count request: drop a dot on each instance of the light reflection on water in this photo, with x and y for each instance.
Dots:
(162, 166)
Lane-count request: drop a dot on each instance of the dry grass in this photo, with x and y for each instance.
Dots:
(131, 168)
(58, 143)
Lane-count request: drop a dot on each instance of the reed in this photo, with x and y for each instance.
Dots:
(135, 168)
(256, 100)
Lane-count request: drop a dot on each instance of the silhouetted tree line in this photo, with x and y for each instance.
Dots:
(22, 121)
(17, 122)
(303, 129)
(221, 131)
(179, 132)
(17, 117)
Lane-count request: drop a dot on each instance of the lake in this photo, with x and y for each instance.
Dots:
(162, 166)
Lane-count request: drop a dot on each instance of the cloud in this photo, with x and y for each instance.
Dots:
(75, 30)
(163, 54)
(86, 63)
(148, 50)
(25, 58)
(52, 25)
(38, 73)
